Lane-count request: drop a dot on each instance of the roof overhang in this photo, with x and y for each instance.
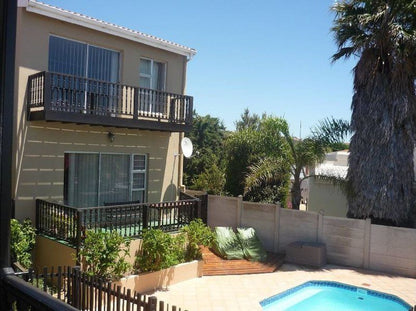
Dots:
(102, 26)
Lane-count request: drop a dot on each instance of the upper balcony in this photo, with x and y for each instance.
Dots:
(65, 98)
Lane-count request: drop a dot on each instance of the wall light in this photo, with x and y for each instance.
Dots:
(111, 136)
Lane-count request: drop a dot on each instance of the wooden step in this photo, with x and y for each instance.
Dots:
(215, 265)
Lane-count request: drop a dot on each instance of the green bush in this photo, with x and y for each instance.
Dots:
(22, 241)
(159, 250)
(197, 234)
(105, 253)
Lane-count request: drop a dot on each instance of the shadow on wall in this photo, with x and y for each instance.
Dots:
(170, 193)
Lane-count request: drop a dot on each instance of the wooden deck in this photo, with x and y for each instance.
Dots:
(214, 265)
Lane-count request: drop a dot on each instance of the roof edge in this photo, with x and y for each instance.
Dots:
(102, 26)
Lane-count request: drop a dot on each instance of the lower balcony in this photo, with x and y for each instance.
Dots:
(69, 224)
(66, 98)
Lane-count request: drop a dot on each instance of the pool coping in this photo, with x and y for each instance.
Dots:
(349, 287)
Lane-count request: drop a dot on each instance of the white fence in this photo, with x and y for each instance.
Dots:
(349, 242)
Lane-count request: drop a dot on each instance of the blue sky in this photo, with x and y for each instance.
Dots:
(269, 56)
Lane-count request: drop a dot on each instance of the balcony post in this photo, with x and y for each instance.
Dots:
(78, 237)
(136, 103)
(47, 91)
(190, 111)
(172, 110)
(199, 208)
(145, 218)
(8, 9)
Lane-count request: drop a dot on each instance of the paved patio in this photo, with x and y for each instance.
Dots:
(243, 292)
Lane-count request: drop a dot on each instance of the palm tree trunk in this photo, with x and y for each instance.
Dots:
(296, 191)
(381, 169)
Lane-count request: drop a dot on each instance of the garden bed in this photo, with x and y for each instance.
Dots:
(151, 281)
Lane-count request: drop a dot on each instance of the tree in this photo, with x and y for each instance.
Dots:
(383, 35)
(207, 136)
(268, 177)
(332, 133)
(282, 149)
(248, 121)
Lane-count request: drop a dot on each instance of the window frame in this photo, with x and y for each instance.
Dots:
(130, 173)
(150, 76)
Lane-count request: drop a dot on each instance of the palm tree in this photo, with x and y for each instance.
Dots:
(284, 154)
(382, 34)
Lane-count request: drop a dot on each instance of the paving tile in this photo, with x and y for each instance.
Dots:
(244, 292)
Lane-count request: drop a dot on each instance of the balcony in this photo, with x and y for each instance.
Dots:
(65, 98)
(69, 224)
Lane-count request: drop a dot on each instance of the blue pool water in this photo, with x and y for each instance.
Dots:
(329, 296)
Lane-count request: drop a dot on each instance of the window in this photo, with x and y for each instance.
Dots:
(83, 60)
(152, 74)
(93, 179)
(69, 57)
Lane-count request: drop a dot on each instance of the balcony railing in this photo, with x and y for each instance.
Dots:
(65, 98)
(69, 224)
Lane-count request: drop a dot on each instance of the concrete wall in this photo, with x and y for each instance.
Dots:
(39, 146)
(326, 198)
(393, 249)
(349, 242)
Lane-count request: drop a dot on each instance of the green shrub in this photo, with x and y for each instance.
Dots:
(159, 250)
(105, 253)
(22, 241)
(197, 234)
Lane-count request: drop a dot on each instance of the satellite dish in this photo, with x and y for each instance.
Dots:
(187, 147)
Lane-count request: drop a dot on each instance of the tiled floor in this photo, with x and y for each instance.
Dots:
(243, 292)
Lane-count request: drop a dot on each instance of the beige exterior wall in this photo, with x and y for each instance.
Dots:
(63, 255)
(39, 146)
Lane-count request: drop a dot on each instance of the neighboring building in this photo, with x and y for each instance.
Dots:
(100, 111)
(324, 196)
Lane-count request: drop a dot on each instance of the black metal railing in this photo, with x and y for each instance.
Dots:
(69, 288)
(69, 223)
(86, 100)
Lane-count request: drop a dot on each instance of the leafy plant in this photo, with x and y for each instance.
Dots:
(105, 253)
(22, 241)
(197, 234)
(211, 180)
(159, 251)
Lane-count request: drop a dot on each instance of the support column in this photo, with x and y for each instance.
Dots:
(239, 210)
(367, 240)
(276, 228)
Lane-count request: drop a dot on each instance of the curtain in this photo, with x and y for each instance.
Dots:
(67, 57)
(81, 179)
(158, 76)
(114, 178)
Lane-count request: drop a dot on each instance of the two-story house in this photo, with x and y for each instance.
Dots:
(100, 111)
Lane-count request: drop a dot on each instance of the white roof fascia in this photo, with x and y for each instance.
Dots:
(99, 25)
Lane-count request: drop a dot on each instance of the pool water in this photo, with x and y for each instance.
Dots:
(329, 296)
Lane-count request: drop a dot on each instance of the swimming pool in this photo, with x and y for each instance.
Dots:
(329, 296)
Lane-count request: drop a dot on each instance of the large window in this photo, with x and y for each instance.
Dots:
(100, 93)
(96, 179)
(83, 60)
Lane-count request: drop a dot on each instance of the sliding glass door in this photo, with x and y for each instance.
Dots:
(96, 179)
(80, 60)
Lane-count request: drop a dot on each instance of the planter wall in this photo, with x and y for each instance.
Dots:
(151, 281)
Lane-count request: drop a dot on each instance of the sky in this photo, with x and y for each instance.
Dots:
(271, 57)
